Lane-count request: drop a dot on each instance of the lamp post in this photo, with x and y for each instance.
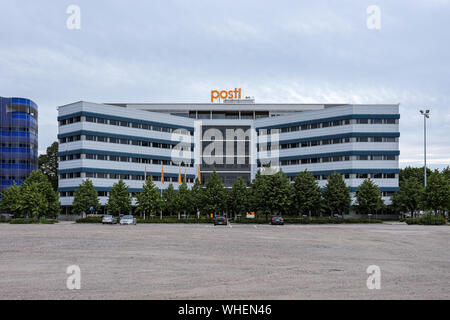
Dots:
(426, 115)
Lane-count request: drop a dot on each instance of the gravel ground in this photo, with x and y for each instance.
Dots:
(177, 261)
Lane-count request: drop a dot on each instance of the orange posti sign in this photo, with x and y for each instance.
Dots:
(226, 94)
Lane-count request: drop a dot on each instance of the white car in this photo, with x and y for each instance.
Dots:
(128, 220)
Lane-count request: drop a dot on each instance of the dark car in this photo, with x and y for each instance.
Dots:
(220, 220)
(277, 220)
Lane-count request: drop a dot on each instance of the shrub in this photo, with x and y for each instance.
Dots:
(90, 220)
(32, 221)
(427, 219)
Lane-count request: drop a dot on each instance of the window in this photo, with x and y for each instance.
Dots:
(377, 139)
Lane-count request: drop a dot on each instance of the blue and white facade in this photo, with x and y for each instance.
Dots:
(107, 142)
(19, 140)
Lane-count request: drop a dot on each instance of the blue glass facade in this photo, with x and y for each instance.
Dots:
(19, 140)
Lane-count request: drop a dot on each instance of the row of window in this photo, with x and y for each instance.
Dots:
(327, 124)
(19, 129)
(355, 176)
(123, 159)
(134, 142)
(324, 142)
(137, 177)
(332, 159)
(127, 124)
(11, 178)
(19, 145)
(13, 161)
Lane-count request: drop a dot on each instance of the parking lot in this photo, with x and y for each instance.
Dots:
(182, 261)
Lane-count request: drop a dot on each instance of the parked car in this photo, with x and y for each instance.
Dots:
(277, 220)
(128, 220)
(109, 219)
(221, 220)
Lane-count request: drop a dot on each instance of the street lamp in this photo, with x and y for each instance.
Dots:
(426, 115)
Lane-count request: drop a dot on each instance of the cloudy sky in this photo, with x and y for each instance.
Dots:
(277, 51)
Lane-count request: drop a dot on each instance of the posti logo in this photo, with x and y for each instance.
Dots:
(226, 94)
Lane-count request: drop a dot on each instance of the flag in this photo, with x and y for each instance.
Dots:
(145, 175)
(198, 175)
(162, 174)
(179, 174)
(185, 173)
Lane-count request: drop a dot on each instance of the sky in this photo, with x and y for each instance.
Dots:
(285, 51)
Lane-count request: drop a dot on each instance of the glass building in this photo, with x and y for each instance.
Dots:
(19, 140)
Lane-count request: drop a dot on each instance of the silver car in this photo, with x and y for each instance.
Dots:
(109, 219)
(128, 220)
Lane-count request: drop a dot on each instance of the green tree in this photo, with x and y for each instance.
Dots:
(85, 197)
(408, 198)
(170, 200)
(10, 201)
(197, 197)
(119, 201)
(337, 195)
(48, 164)
(238, 197)
(307, 194)
(149, 200)
(279, 194)
(411, 172)
(46, 191)
(437, 193)
(214, 195)
(258, 191)
(185, 200)
(32, 202)
(368, 198)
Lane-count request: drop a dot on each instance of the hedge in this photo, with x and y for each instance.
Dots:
(89, 220)
(32, 221)
(427, 220)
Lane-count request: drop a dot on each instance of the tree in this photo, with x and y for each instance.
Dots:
(307, 194)
(437, 193)
(185, 202)
(238, 197)
(10, 201)
(408, 198)
(197, 197)
(170, 200)
(368, 198)
(119, 200)
(46, 191)
(337, 195)
(32, 202)
(258, 191)
(411, 172)
(85, 197)
(149, 200)
(279, 196)
(48, 164)
(214, 195)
